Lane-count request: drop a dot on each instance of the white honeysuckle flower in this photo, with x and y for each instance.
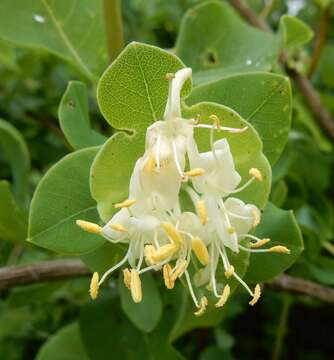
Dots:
(220, 177)
(151, 220)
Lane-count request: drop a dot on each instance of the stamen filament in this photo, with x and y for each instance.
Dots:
(191, 290)
(157, 154)
(223, 128)
(178, 166)
(115, 267)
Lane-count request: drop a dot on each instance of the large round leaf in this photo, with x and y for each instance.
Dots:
(61, 197)
(281, 226)
(263, 99)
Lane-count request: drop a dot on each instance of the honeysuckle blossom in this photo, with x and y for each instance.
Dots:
(159, 236)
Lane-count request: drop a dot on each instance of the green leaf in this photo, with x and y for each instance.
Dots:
(147, 314)
(263, 99)
(62, 197)
(74, 117)
(145, 88)
(8, 55)
(215, 42)
(107, 334)
(66, 344)
(15, 151)
(294, 32)
(70, 29)
(13, 220)
(279, 225)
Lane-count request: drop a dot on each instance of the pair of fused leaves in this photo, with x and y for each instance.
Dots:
(132, 93)
(222, 43)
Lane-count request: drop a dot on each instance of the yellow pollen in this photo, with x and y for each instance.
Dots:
(231, 230)
(135, 286)
(127, 278)
(179, 269)
(172, 233)
(195, 172)
(94, 286)
(164, 252)
(170, 76)
(215, 120)
(202, 306)
(125, 204)
(229, 271)
(118, 227)
(259, 243)
(169, 282)
(257, 294)
(89, 227)
(256, 173)
(200, 250)
(150, 164)
(201, 209)
(279, 249)
(149, 250)
(225, 295)
(257, 218)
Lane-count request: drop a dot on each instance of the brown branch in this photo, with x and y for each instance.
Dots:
(55, 270)
(319, 111)
(298, 286)
(45, 271)
(320, 39)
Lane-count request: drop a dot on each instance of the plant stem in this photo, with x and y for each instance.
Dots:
(281, 328)
(114, 27)
(267, 9)
(320, 39)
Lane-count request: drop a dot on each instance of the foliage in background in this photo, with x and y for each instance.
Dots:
(45, 117)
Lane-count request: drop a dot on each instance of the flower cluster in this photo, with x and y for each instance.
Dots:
(159, 235)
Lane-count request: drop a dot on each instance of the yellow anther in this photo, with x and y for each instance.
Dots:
(169, 282)
(179, 269)
(202, 306)
(195, 172)
(127, 278)
(279, 249)
(150, 164)
(256, 173)
(172, 233)
(149, 250)
(170, 76)
(89, 227)
(225, 295)
(94, 286)
(164, 252)
(229, 271)
(125, 204)
(257, 294)
(135, 286)
(259, 243)
(118, 227)
(231, 230)
(201, 209)
(200, 250)
(257, 218)
(215, 120)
